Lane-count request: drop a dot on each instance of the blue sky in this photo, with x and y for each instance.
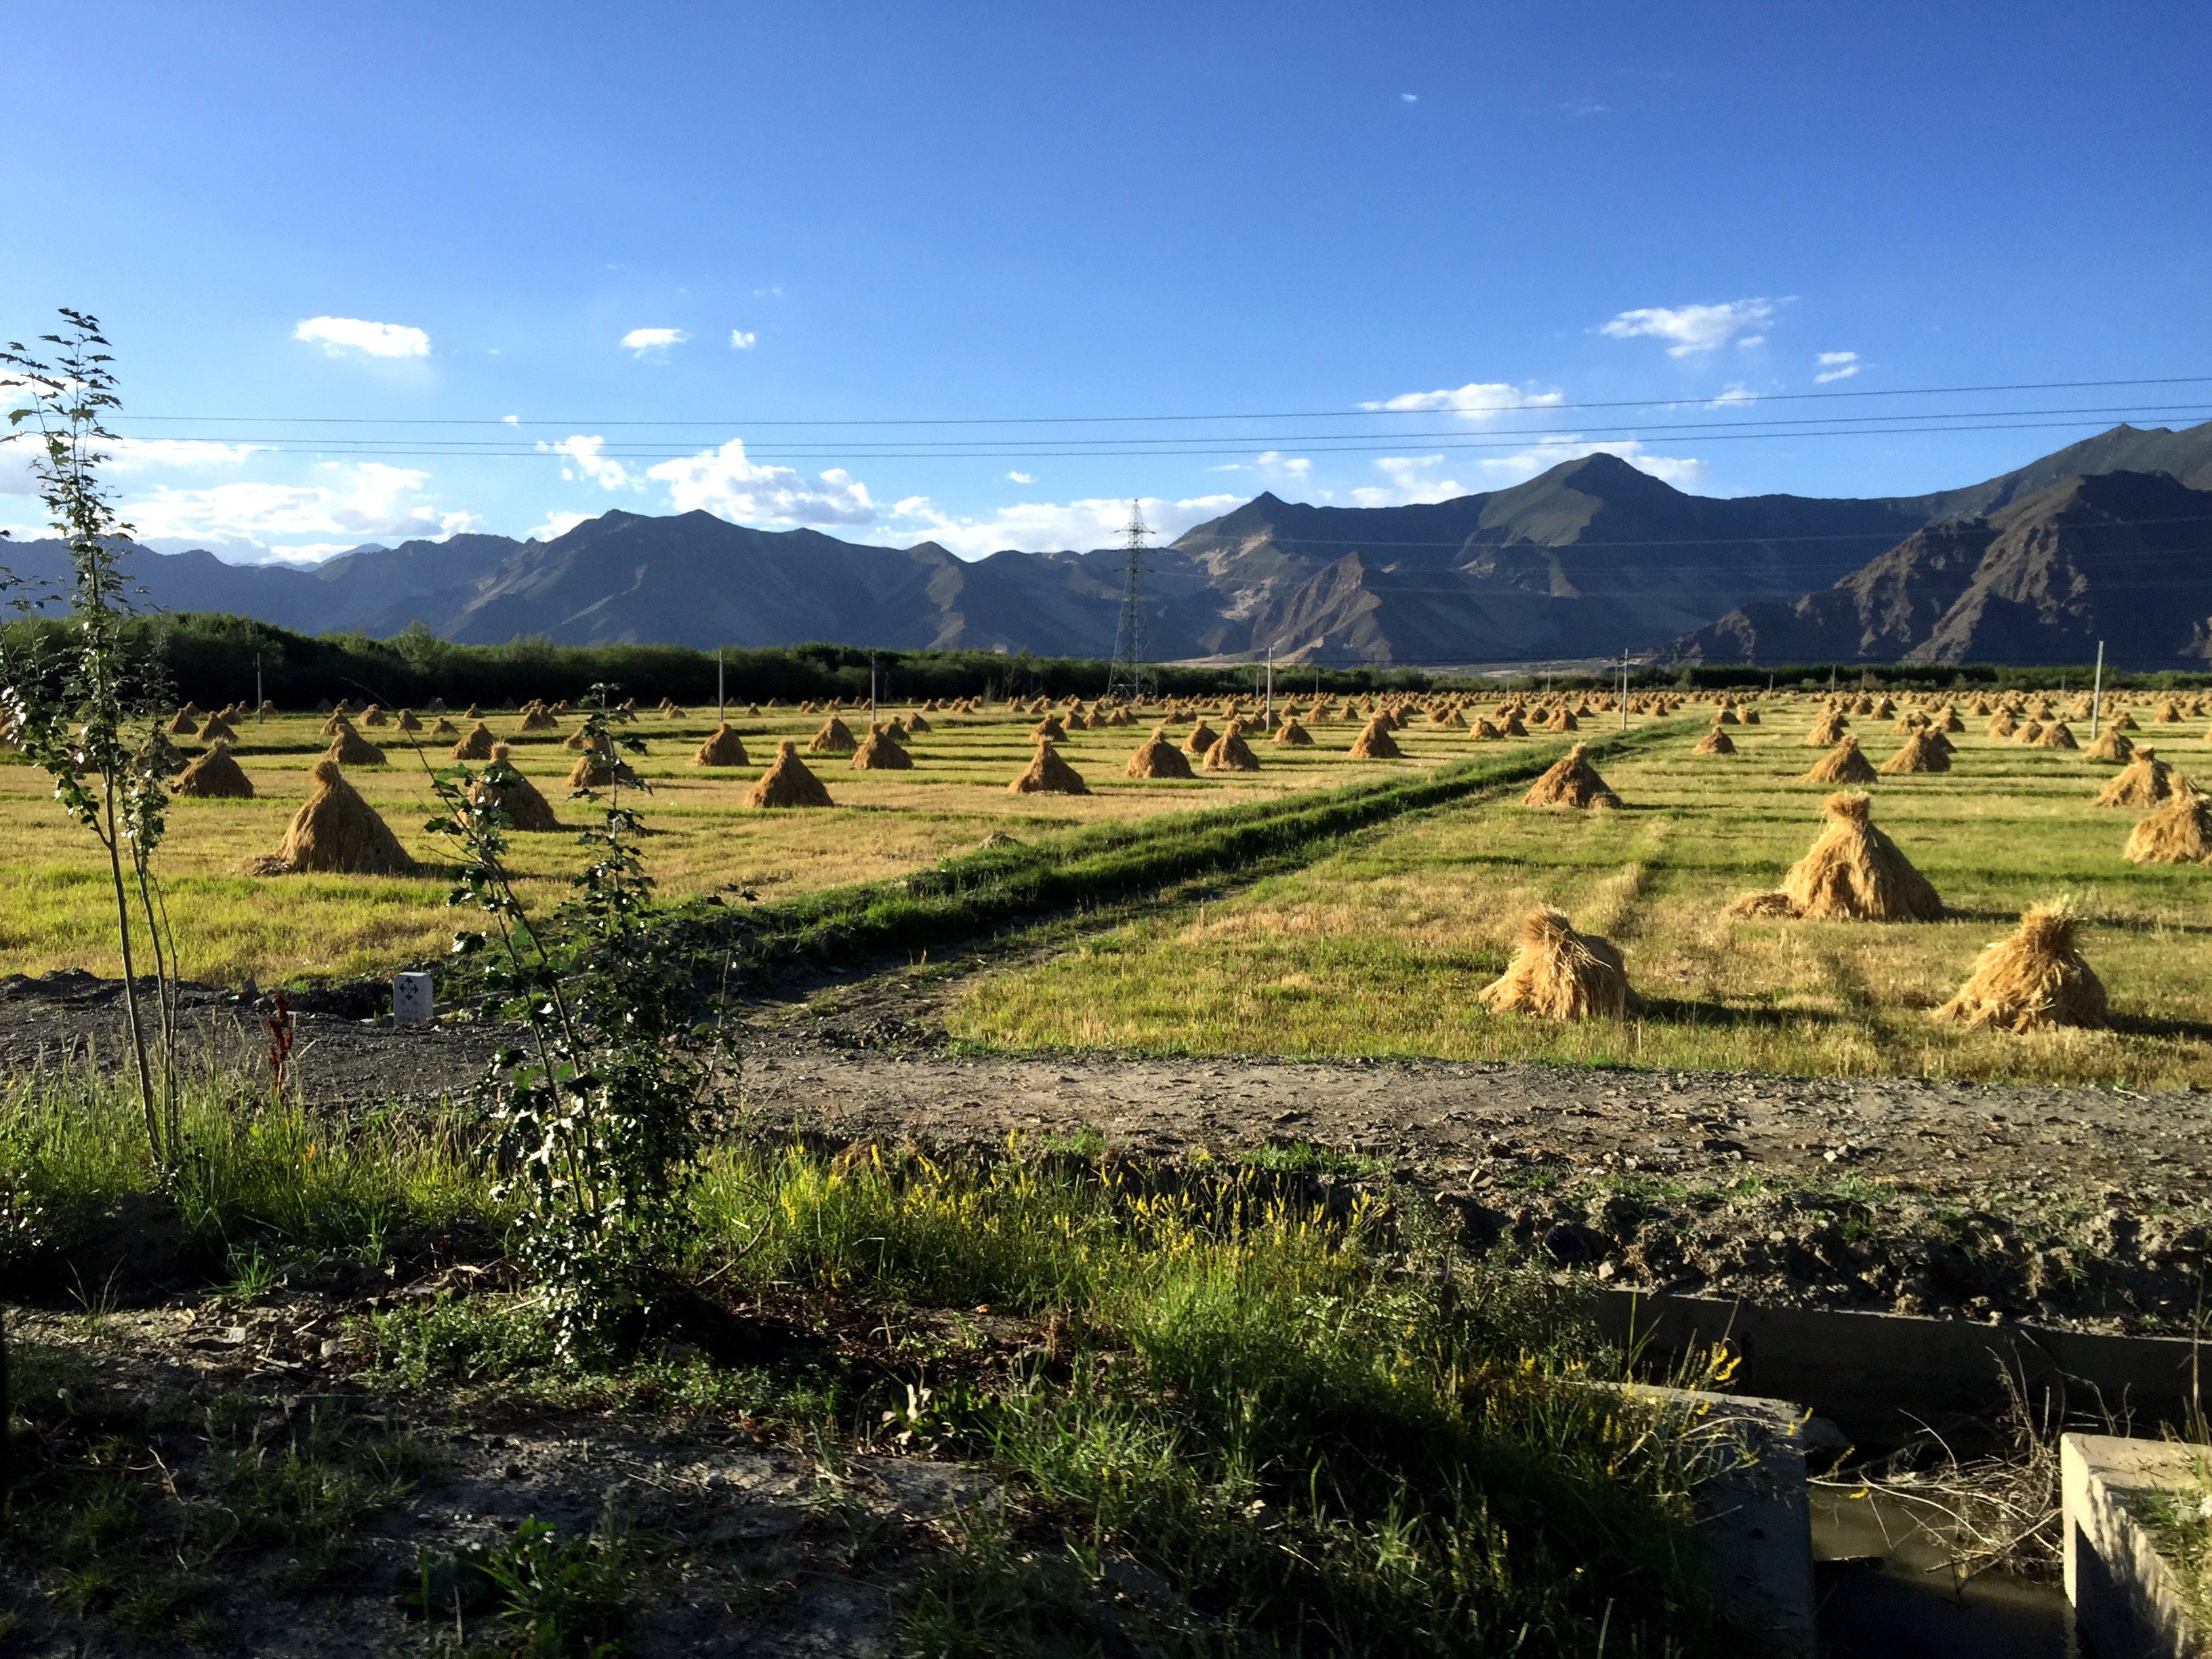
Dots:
(730, 257)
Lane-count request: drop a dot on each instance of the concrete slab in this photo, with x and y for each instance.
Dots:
(2125, 1599)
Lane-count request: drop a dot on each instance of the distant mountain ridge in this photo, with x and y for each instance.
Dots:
(2123, 557)
(1586, 559)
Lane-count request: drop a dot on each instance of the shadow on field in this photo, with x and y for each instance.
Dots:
(1690, 1011)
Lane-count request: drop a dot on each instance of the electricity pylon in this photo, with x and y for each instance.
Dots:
(1126, 677)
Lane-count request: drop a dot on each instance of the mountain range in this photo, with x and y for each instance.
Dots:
(1584, 560)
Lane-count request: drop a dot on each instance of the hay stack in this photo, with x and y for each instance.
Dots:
(1949, 721)
(1827, 731)
(2124, 721)
(2001, 725)
(880, 753)
(2167, 715)
(1725, 715)
(503, 787)
(1049, 730)
(337, 723)
(1479, 730)
(214, 775)
(2145, 781)
(1513, 726)
(1563, 719)
(217, 729)
(579, 740)
(600, 771)
(2032, 981)
(1202, 738)
(1231, 754)
(723, 747)
(788, 783)
(1557, 973)
(1750, 717)
(917, 725)
(1375, 741)
(184, 726)
(445, 728)
(832, 738)
(2056, 735)
(2179, 831)
(1155, 757)
(2028, 733)
(2112, 745)
(349, 748)
(1842, 764)
(407, 720)
(1292, 735)
(1715, 742)
(1572, 781)
(1921, 752)
(1853, 873)
(1049, 774)
(335, 833)
(374, 715)
(477, 746)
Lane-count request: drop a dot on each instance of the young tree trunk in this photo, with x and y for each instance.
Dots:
(131, 988)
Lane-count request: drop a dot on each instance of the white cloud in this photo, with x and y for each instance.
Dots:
(1695, 328)
(1021, 477)
(1288, 466)
(1836, 366)
(137, 454)
(512, 420)
(584, 460)
(1585, 107)
(338, 335)
(723, 482)
(742, 341)
(558, 524)
(1475, 401)
(1416, 479)
(258, 521)
(1046, 526)
(1734, 392)
(1409, 97)
(647, 341)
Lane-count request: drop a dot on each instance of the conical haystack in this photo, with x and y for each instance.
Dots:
(2002, 725)
(1750, 717)
(1202, 738)
(374, 715)
(1231, 754)
(1826, 731)
(1715, 742)
(1156, 757)
(1292, 735)
(503, 786)
(1513, 726)
(1049, 774)
(349, 748)
(1725, 715)
(214, 776)
(1049, 730)
(2028, 734)
(407, 721)
(2145, 781)
(597, 771)
(2032, 981)
(184, 726)
(879, 752)
(537, 717)
(723, 747)
(1572, 781)
(2112, 745)
(217, 729)
(1557, 973)
(1853, 873)
(1921, 752)
(2056, 735)
(833, 738)
(1375, 741)
(335, 833)
(477, 745)
(2124, 721)
(2178, 831)
(788, 783)
(446, 728)
(1479, 730)
(1842, 764)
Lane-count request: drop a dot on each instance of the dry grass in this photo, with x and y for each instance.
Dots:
(1382, 948)
(53, 911)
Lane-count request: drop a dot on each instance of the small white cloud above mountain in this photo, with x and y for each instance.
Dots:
(1692, 329)
(582, 458)
(725, 482)
(1478, 400)
(1836, 366)
(557, 524)
(649, 342)
(255, 521)
(339, 335)
(1293, 468)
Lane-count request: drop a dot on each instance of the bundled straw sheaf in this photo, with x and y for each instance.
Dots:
(335, 832)
(1572, 781)
(1156, 757)
(2033, 980)
(1049, 774)
(1557, 973)
(214, 775)
(788, 783)
(1853, 873)
(1845, 763)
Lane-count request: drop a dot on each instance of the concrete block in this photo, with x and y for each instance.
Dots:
(2125, 1599)
(411, 999)
(1752, 1511)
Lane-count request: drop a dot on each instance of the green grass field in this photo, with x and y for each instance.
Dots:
(55, 906)
(1380, 948)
